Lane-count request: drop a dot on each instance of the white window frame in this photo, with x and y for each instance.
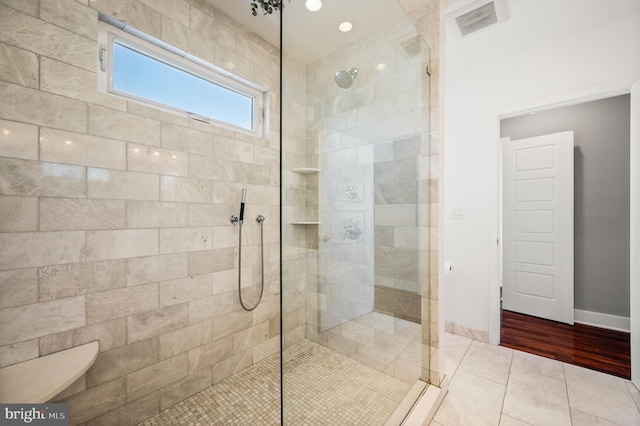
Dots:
(111, 30)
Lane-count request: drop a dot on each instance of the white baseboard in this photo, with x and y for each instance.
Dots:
(596, 319)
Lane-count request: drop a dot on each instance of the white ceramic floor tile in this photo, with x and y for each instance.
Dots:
(487, 361)
(510, 421)
(536, 399)
(583, 419)
(635, 393)
(601, 395)
(530, 363)
(472, 401)
(455, 341)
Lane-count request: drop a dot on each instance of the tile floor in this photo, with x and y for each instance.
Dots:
(322, 387)
(384, 343)
(494, 385)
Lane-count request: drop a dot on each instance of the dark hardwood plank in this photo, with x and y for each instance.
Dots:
(596, 348)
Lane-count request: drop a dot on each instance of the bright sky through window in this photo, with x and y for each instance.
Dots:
(144, 77)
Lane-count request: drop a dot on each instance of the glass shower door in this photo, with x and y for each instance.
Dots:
(355, 150)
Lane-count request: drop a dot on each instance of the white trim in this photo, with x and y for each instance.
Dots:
(596, 319)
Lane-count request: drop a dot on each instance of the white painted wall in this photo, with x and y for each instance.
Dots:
(548, 53)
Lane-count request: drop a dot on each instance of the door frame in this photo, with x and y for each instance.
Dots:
(494, 196)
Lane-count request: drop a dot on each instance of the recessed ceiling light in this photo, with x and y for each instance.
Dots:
(313, 5)
(381, 67)
(345, 27)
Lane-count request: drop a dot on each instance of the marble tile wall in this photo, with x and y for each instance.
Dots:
(102, 239)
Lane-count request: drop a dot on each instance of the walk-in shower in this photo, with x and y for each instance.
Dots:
(116, 209)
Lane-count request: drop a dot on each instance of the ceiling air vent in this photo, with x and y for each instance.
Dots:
(474, 16)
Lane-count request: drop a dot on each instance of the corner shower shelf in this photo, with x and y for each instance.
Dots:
(38, 380)
(306, 170)
(305, 222)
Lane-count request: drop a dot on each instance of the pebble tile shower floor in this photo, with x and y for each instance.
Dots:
(322, 387)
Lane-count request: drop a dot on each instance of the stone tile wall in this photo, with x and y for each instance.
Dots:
(103, 239)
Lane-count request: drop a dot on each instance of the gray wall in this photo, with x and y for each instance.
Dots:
(602, 179)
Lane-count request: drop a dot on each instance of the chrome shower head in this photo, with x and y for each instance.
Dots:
(345, 79)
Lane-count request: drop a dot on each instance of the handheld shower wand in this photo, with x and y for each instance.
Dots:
(244, 196)
(239, 220)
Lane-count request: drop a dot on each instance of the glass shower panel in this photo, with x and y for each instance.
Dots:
(355, 188)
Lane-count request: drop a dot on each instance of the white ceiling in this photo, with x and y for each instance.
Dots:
(309, 36)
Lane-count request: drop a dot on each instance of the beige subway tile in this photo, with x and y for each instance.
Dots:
(25, 177)
(18, 287)
(187, 140)
(109, 334)
(266, 349)
(58, 282)
(28, 249)
(159, 321)
(231, 323)
(19, 214)
(186, 189)
(185, 339)
(250, 337)
(74, 388)
(132, 413)
(184, 289)
(121, 302)
(57, 146)
(121, 361)
(103, 183)
(18, 352)
(202, 262)
(175, 9)
(212, 353)
(26, 322)
(37, 36)
(226, 281)
(231, 366)
(147, 214)
(231, 149)
(71, 15)
(18, 140)
(177, 240)
(76, 83)
(214, 306)
(96, 401)
(162, 161)
(205, 24)
(134, 13)
(204, 167)
(187, 39)
(45, 109)
(30, 7)
(111, 123)
(144, 270)
(211, 214)
(66, 214)
(18, 66)
(149, 379)
(192, 384)
(103, 245)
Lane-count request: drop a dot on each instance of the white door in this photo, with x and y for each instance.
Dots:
(537, 226)
(635, 234)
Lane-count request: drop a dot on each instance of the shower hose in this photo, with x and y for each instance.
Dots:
(260, 220)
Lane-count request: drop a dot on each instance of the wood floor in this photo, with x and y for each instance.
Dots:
(591, 347)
